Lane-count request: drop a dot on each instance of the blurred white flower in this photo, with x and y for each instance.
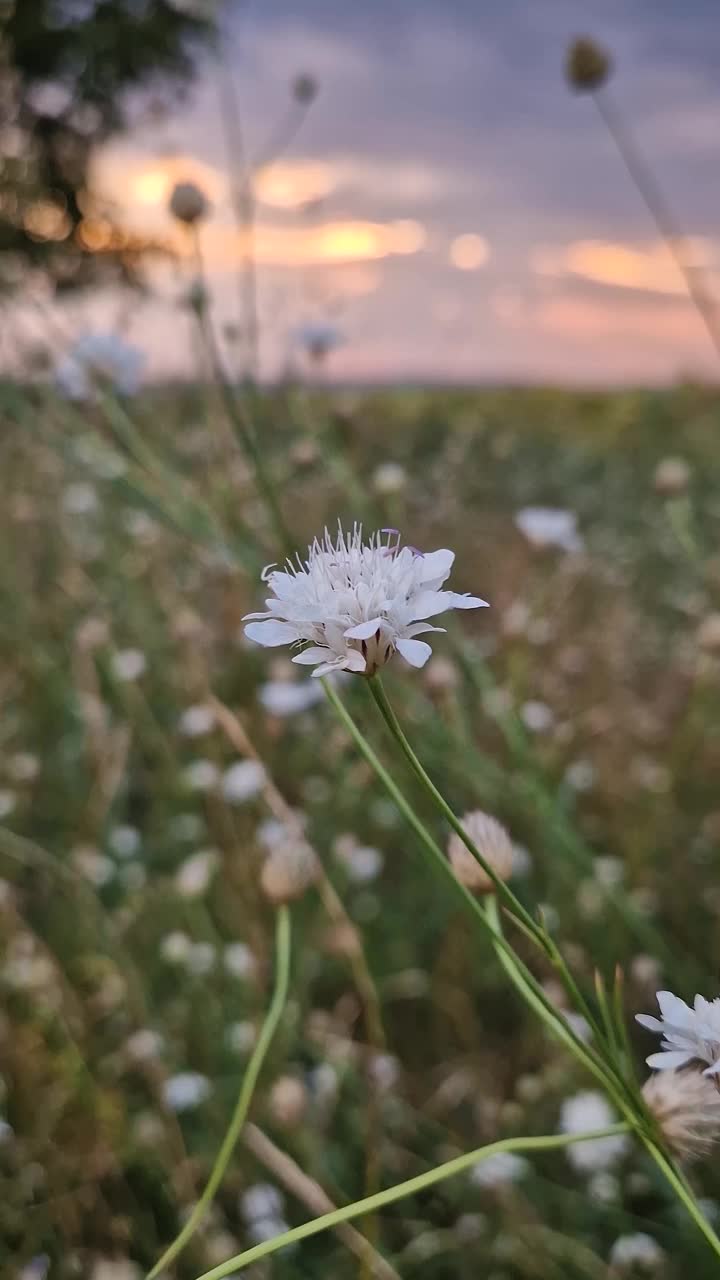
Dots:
(243, 780)
(550, 527)
(196, 720)
(580, 775)
(124, 840)
(175, 947)
(239, 960)
(384, 1070)
(144, 1045)
(538, 717)
(638, 1250)
(289, 698)
(6, 1131)
(79, 499)
(201, 775)
(8, 801)
(200, 959)
(499, 1170)
(23, 767)
(92, 864)
(115, 1269)
(186, 1090)
(583, 1113)
(689, 1035)
(36, 1269)
(672, 477)
(128, 664)
(262, 1200)
(241, 1036)
(196, 872)
(389, 478)
(364, 863)
(357, 603)
(262, 1229)
(99, 361)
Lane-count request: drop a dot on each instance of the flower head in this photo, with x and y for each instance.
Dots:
(587, 65)
(99, 361)
(583, 1112)
(356, 603)
(493, 842)
(689, 1035)
(686, 1106)
(188, 203)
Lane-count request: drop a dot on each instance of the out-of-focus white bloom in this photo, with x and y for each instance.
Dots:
(492, 841)
(132, 876)
(175, 947)
(144, 1045)
(6, 1131)
(262, 1229)
(36, 1269)
(196, 872)
(638, 1250)
(550, 527)
(99, 361)
(241, 1036)
(124, 840)
(583, 1113)
(580, 775)
(23, 766)
(115, 1269)
(96, 868)
(288, 698)
(356, 604)
(243, 780)
(186, 1090)
(689, 1035)
(384, 1070)
(604, 1187)
(196, 720)
(80, 499)
(262, 1200)
(389, 478)
(364, 864)
(200, 959)
(290, 869)
(499, 1170)
(645, 970)
(188, 203)
(288, 1102)
(672, 477)
(201, 775)
(522, 861)
(128, 664)
(686, 1106)
(538, 717)
(579, 1025)
(8, 800)
(239, 960)
(609, 871)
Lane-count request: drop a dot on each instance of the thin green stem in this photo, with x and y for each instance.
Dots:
(381, 1199)
(683, 1193)
(270, 1025)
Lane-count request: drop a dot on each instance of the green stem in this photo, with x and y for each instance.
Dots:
(274, 1013)
(548, 1142)
(683, 1193)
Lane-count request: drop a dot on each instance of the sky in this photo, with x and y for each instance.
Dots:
(448, 206)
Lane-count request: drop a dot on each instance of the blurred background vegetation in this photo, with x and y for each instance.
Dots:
(150, 758)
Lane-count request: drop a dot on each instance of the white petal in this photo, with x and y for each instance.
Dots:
(436, 564)
(668, 1061)
(364, 630)
(327, 667)
(675, 1010)
(645, 1019)
(310, 656)
(271, 634)
(713, 1070)
(421, 629)
(354, 661)
(416, 652)
(428, 603)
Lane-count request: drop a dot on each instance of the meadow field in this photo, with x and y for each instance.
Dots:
(154, 760)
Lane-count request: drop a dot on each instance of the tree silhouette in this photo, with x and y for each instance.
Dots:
(68, 69)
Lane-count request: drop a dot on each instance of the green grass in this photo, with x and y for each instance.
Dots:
(166, 563)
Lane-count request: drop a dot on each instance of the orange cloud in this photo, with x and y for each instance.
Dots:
(649, 267)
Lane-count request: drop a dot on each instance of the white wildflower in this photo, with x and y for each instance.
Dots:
(80, 499)
(175, 947)
(288, 698)
(538, 717)
(200, 959)
(686, 1106)
(499, 1170)
(201, 775)
(550, 527)
(128, 664)
(241, 1036)
(364, 863)
(638, 1250)
(124, 840)
(99, 361)
(262, 1200)
(239, 960)
(144, 1045)
(356, 604)
(389, 478)
(23, 766)
(689, 1035)
(186, 1090)
(581, 1114)
(196, 720)
(196, 872)
(672, 477)
(242, 781)
(7, 802)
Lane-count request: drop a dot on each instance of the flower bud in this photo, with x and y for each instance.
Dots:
(587, 65)
(686, 1107)
(672, 477)
(188, 203)
(289, 869)
(288, 1102)
(492, 841)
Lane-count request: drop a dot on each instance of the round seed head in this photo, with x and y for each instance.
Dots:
(492, 841)
(587, 65)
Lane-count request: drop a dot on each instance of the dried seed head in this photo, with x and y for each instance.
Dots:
(304, 89)
(686, 1106)
(289, 869)
(672, 477)
(188, 203)
(587, 65)
(288, 1102)
(492, 841)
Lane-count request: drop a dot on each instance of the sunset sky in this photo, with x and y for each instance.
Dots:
(448, 204)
